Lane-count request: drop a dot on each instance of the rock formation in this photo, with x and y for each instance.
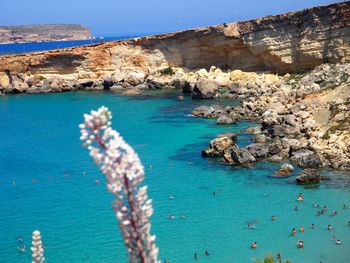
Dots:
(43, 33)
(291, 42)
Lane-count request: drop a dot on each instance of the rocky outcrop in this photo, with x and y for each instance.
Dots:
(205, 90)
(285, 170)
(219, 145)
(308, 176)
(291, 42)
(304, 117)
(43, 33)
(236, 155)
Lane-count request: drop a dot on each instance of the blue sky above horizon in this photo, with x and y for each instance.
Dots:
(113, 17)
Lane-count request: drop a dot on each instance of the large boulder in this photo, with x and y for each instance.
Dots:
(224, 119)
(107, 82)
(308, 176)
(218, 146)
(235, 155)
(135, 78)
(307, 159)
(258, 150)
(213, 111)
(260, 138)
(285, 170)
(205, 90)
(202, 111)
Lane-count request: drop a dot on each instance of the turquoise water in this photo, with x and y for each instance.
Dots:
(40, 151)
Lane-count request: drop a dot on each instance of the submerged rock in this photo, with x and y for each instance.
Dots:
(285, 170)
(131, 92)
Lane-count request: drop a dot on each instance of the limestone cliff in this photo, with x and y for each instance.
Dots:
(290, 42)
(43, 33)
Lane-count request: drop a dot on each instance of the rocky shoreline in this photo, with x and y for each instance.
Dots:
(291, 71)
(304, 119)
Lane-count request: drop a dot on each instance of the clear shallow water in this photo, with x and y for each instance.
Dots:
(41, 152)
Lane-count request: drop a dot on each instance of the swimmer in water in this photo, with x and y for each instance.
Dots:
(20, 239)
(206, 253)
(84, 173)
(300, 244)
(97, 181)
(300, 197)
(171, 197)
(253, 245)
(294, 232)
(296, 208)
(333, 238)
(312, 226)
(273, 218)
(22, 248)
(171, 217)
(251, 226)
(338, 242)
(330, 227)
(301, 229)
(195, 256)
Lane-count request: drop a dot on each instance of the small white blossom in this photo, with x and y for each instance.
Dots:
(37, 248)
(124, 173)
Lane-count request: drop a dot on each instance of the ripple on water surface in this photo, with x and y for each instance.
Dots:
(41, 153)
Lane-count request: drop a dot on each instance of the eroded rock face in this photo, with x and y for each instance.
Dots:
(283, 43)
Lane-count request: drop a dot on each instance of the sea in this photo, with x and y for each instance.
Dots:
(47, 183)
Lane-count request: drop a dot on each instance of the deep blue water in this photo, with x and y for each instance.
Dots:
(41, 153)
(41, 46)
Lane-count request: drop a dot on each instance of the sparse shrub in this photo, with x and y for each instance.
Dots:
(167, 71)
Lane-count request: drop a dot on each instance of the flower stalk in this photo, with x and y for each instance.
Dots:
(124, 173)
(37, 248)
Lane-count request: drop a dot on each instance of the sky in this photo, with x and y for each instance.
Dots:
(133, 17)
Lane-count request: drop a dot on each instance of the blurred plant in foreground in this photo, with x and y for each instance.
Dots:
(37, 248)
(270, 259)
(124, 173)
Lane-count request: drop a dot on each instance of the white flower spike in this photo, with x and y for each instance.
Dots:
(124, 173)
(37, 248)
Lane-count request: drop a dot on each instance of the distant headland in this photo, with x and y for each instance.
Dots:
(43, 33)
